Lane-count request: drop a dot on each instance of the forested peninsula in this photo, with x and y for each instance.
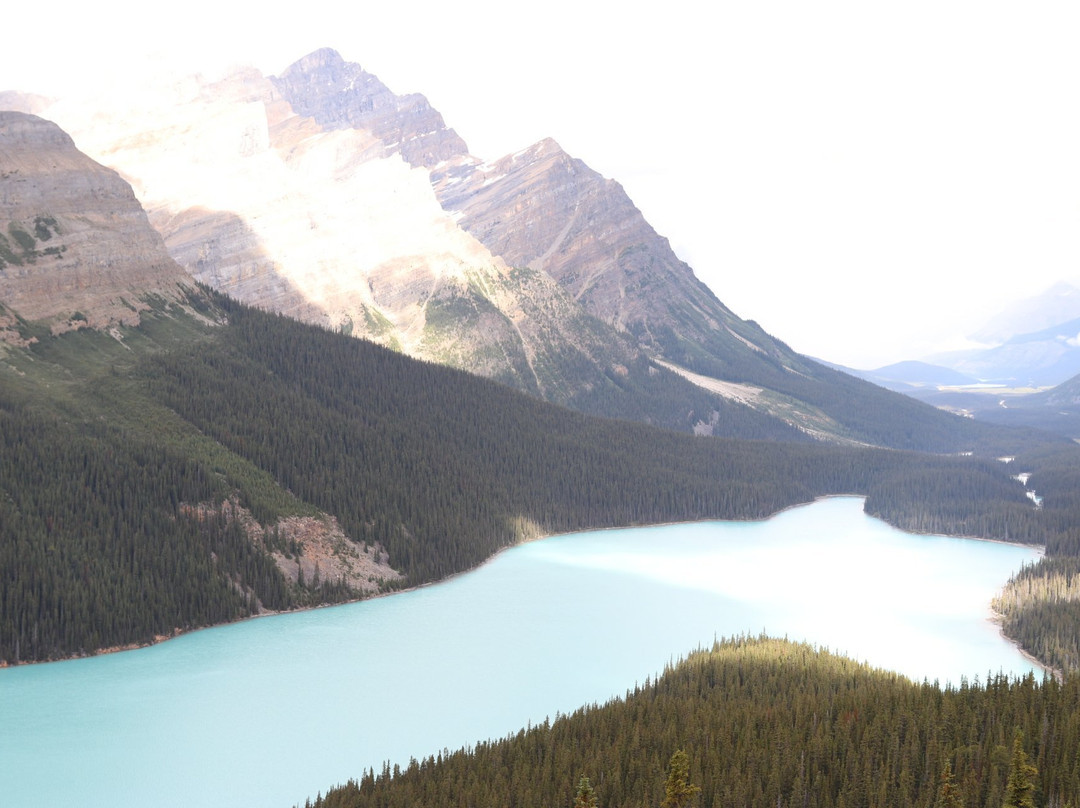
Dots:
(148, 479)
(771, 724)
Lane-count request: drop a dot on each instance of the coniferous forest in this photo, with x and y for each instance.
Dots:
(119, 456)
(768, 723)
(126, 460)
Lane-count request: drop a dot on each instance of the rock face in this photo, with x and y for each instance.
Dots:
(76, 248)
(544, 209)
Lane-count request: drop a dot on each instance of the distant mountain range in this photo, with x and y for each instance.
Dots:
(1026, 380)
(323, 195)
(912, 376)
(1033, 343)
(1029, 379)
(1040, 358)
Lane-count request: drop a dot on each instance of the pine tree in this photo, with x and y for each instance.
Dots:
(679, 791)
(949, 795)
(586, 796)
(1020, 788)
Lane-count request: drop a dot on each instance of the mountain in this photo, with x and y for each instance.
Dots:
(340, 95)
(322, 225)
(1058, 304)
(539, 208)
(1035, 359)
(76, 248)
(1038, 346)
(1035, 342)
(911, 376)
(323, 195)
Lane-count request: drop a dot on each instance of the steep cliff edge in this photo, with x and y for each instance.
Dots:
(76, 248)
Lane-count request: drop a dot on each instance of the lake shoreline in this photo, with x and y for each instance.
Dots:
(537, 633)
(178, 632)
(998, 619)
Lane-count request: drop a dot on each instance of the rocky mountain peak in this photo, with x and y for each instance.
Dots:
(548, 147)
(25, 132)
(342, 95)
(546, 152)
(321, 60)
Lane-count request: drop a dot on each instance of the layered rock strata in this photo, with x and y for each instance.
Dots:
(76, 247)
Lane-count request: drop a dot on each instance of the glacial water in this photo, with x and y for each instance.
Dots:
(270, 711)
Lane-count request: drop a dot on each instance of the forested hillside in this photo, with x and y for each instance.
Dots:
(1041, 604)
(150, 476)
(769, 724)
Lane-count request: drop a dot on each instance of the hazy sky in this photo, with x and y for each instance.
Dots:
(869, 181)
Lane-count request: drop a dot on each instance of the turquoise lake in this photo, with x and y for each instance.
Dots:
(270, 711)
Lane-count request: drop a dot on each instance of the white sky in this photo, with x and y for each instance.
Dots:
(870, 181)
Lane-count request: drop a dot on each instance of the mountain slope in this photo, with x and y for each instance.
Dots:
(584, 231)
(543, 209)
(227, 434)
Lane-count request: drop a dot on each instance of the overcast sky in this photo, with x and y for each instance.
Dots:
(869, 181)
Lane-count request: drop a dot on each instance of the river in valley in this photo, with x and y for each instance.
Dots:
(270, 711)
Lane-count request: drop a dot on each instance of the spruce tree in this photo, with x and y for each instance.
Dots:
(679, 791)
(949, 795)
(586, 796)
(1020, 788)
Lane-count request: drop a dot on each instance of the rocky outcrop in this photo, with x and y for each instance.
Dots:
(308, 550)
(318, 551)
(76, 248)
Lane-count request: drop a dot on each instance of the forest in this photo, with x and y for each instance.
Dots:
(109, 446)
(770, 724)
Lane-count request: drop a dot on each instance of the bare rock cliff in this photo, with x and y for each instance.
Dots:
(76, 247)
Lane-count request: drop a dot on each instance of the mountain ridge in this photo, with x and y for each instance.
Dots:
(574, 297)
